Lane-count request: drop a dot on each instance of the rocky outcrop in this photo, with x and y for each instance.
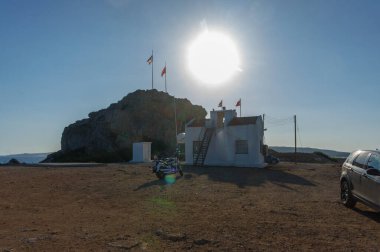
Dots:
(13, 161)
(107, 135)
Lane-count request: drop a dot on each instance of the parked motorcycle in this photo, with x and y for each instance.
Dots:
(167, 166)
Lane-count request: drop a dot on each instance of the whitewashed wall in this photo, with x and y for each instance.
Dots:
(221, 150)
(192, 134)
(142, 152)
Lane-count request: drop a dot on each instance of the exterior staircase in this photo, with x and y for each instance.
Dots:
(202, 151)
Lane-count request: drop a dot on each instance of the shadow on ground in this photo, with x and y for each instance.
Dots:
(150, 183)
(159, 182)
(243, 177)
(369, 214)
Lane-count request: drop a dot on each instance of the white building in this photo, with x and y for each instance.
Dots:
(225, 140)
(141, 152)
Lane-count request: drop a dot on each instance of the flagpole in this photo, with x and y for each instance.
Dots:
(175, 118)
(240, 107)
(165, 79)
(152, 68)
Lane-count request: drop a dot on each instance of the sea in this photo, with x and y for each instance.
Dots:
(29, 158)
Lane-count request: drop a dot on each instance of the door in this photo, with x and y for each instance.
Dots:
(371, 183)
(357, 171)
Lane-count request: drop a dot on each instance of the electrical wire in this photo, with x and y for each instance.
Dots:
(273, 122)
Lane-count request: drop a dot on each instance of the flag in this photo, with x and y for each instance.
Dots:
(163, 71)
(220, 103)
(150, 60)
(238, 104)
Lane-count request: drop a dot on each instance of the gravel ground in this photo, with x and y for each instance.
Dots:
(122, 207)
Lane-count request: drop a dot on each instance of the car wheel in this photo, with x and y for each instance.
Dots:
(346, 196)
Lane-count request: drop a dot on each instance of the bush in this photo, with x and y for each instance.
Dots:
(321, 154)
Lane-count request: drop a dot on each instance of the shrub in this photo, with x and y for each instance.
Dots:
(321, 154)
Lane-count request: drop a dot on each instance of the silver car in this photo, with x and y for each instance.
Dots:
(360, 179)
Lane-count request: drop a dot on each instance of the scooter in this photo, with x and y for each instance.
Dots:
(163, 167)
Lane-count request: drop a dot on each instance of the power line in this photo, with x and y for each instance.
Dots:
(279, 121)
(273, 120)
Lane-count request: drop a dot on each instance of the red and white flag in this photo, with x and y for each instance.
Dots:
(163, 72)
(220, 103)
(150, 60)
(238, 104)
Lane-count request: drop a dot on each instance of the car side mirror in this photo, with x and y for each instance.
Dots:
(373, 172)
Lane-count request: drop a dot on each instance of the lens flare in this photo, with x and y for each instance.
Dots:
(213, 58)
(170, 179)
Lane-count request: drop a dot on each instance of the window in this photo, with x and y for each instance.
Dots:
(241, 147)
(359, 161)
(374, 162)
(352, 156)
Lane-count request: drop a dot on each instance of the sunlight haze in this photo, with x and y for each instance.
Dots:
(319, 60)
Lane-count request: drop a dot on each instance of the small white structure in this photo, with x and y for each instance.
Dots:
(181, 137)
(141, 152)
(225, 140)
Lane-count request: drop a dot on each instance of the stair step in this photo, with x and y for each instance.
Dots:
(201, 155)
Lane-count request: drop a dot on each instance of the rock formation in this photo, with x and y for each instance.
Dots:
(107, 135)
(13, 161)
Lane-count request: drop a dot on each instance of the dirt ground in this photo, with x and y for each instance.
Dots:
(124, 207)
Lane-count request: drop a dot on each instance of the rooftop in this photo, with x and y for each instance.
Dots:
(243, 120)
(236, 121)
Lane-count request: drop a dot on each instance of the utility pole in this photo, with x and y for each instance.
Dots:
(295, 139)
(266, 148)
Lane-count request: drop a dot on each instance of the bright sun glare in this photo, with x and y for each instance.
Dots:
(213, 58)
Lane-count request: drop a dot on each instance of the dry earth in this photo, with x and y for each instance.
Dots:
(124, 207)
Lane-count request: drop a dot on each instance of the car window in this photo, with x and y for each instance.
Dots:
(374, 161)
(352, 156)
(359, 161)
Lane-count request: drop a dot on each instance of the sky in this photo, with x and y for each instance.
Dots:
(319, 60)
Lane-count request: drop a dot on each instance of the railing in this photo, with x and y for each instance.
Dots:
(203, 148)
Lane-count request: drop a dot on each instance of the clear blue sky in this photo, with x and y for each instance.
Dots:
(60, 60)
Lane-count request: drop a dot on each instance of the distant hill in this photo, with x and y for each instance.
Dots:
(30, 158)
(330, 153)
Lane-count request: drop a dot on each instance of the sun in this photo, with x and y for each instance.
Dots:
(213, 58)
